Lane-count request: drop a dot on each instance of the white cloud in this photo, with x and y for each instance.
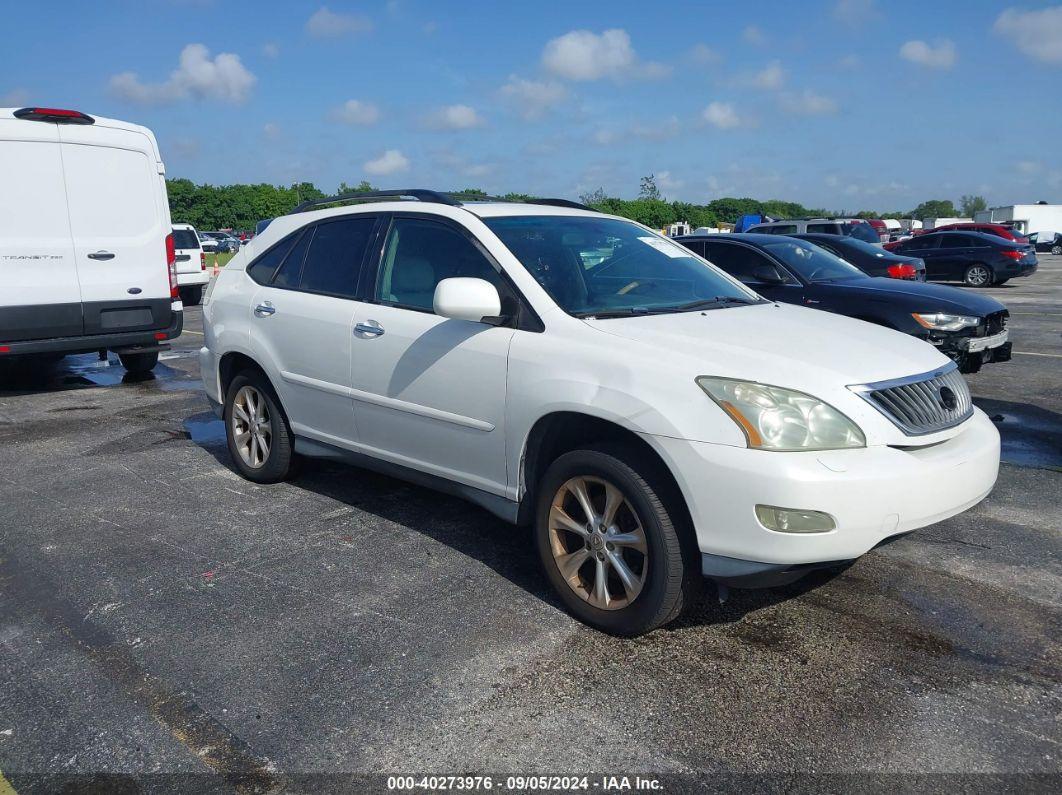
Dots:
(606, 137)
(271, 49)
(939, 55)
(14, 97)
(533, 98)
(390, 162)
(585, 55)
(1027, 166)
(198, 76)
(661, 131)
(666, 182)
(721, 115)
(808, 103)
(1038, 34)
(855, 13)
(271, 130)
(356, 113)
(771, 77)
(703, 54)
(455, 117)
(851, 61)
(753, 35)
(326, 24)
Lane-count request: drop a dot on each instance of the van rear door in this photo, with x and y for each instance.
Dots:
(39, 293)
(119, 219)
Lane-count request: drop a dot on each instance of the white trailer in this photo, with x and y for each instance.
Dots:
(1045, 219)
(933, 223)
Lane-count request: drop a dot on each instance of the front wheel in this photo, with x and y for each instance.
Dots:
(139, 363)
(609, 543)
(256, 429)
(977, 275)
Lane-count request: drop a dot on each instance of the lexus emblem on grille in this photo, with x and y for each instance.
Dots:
(948, 399)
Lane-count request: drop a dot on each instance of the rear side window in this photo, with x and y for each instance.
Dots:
(786, 229)
(288, 275)
(953, 240)
(825, 229)
(335, 256)
(263, 268)
(920, 243)
(696, 246)
(185, 238)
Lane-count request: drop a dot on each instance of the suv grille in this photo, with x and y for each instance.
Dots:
(996, 322)
(921, 404)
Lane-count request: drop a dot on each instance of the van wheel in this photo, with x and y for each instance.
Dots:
(609, 544)
(191, 296)
(139, 363)
(977, 275)
(257, 431)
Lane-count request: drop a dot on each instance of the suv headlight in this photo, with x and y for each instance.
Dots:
(942, 321)
(779, 419)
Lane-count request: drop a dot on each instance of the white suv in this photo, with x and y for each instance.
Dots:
(191, 264)
(654, 419)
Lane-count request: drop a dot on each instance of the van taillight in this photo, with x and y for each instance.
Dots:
(57, 115)
(171, 265)
(902, 271)
(202, 261)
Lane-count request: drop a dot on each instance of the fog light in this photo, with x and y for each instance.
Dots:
(791, 520)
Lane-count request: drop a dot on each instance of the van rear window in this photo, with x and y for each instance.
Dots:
(185, 238)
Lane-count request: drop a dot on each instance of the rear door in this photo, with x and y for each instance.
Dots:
(39, 292)
(927, 248)
(303, 322)
(957, 251)
(119, 220)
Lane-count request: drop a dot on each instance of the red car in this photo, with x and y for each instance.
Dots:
(879, 227)
(998, 230)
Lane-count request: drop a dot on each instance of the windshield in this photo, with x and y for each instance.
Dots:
(864, 232)
(605, 266)
(811, 263)
(185, 238)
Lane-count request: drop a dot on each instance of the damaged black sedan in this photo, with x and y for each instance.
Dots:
(970, 328)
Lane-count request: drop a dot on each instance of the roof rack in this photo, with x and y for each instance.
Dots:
(411, 193)
(429, 196)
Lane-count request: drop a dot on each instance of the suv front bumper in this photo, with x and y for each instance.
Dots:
(872, 494)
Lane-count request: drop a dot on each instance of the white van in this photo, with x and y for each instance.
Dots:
(192, 274)
(86, 251)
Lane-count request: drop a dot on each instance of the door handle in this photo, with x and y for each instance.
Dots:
(264, 309)
(370, 328)
(101, 255)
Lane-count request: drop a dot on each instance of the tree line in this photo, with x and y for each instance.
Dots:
(242, 206)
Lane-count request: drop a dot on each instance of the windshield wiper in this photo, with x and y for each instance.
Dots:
(706, 303)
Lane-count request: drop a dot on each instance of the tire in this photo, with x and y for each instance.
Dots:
(139, 363)
(1001, 281)
(1056, 249)
(666, 575)
(268, 456)
(191, 296)
(978, 275)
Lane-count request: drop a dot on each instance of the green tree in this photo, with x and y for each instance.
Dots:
(934, 208)
(648, 189)
(362, 187)
(968, 205)
(593, 198)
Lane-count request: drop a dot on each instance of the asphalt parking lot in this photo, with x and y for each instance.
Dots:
(161, 616)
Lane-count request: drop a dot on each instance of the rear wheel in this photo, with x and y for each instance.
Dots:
(609, 543)
(191, 296)
(1056, 249)
(259, 438)
(139, 363)
(977, 275)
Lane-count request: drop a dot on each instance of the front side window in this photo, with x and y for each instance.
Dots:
(418, 255)
(640, 272)
(746, 264)
(920, 243)
(811, 263)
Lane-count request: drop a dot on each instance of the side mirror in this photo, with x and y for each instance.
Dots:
(765, 274)
(463, 298)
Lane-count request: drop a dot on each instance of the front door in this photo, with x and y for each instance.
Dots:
(429, 391)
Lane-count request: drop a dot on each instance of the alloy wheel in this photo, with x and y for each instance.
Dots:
(252, 431)
(978, 276)
(598, 542)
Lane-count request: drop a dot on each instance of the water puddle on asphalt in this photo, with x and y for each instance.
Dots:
(205, 429)
(85, 371)
(1031, 436)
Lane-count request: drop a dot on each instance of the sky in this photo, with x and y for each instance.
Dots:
(843, 104)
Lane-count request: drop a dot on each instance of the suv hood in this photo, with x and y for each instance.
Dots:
(779, 344)
(919, 296)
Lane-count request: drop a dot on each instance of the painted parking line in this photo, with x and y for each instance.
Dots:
(1030, 353)
(197, 333)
